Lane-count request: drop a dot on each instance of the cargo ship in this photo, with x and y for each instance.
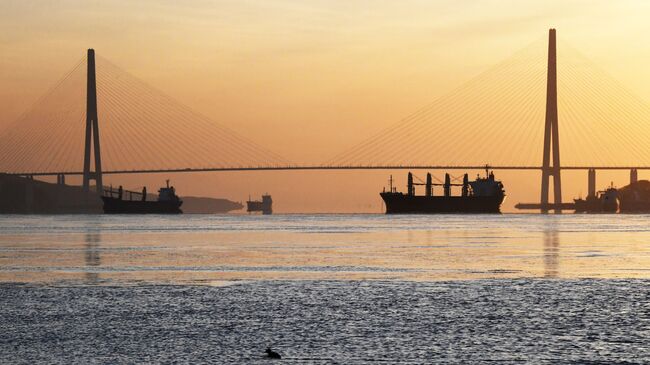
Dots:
(265, 205)
(119, 201)
(483, 195)
(601, 202)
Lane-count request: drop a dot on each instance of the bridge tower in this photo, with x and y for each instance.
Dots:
(551, 133)
(92, 129)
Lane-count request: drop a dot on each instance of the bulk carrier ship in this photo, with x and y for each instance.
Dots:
(483, 195)
(116, 201)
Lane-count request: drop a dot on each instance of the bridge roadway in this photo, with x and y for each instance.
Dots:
(320, 167)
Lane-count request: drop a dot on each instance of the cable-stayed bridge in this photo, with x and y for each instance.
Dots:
(508, 117)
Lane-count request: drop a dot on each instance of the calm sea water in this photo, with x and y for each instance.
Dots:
(325, 288)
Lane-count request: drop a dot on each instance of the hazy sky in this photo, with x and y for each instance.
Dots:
(306, 79)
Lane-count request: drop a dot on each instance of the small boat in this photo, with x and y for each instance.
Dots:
(120, 201)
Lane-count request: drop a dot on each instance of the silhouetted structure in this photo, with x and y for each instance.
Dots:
(551, 133)
(116, 202)
(591, 184)
(483, 195)
(605, 201)
(265, 205)
(22, 195)
(92, 130)
(272, 354)
(635, 198)
(550, 166)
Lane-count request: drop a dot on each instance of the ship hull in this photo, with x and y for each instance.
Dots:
(118, 206)
(397, 203)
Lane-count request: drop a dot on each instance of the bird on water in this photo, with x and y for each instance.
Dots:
(272, 354)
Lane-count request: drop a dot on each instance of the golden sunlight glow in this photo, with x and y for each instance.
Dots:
(310, 80)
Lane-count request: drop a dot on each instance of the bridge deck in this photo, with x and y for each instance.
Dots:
(289, 168)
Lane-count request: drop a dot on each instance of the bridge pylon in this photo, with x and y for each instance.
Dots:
(551, 134)
(92, 130)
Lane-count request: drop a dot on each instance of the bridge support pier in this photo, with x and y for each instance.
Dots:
(92, 130)
(634, 177)
(551, 134)
(591, 183)
(447, 186)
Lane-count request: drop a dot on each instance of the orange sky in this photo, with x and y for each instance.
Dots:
(309, 79)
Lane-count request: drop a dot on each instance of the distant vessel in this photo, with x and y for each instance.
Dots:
(603, 202)
(483, 195)
(167, 203)
(265, 205)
